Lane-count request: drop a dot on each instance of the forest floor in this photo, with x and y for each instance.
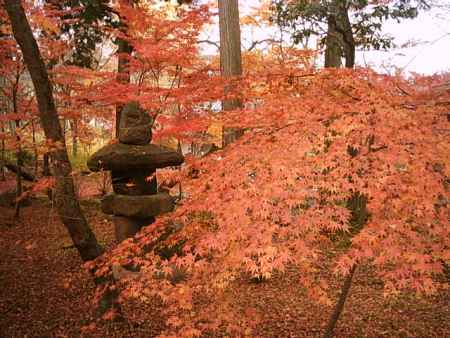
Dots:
(45, 292)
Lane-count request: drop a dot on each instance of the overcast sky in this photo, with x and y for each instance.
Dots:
(431, 55)
(431, 29)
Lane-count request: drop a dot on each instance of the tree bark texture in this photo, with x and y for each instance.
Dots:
(2, 158)
(2, 129)
(340, 304)
(357, 204)
(347, 36)
(230, 46)
(19, 185)
(67, 204)
(339, 40)
(35, 149)
(74, 129)
(333, 46)
(46, 173)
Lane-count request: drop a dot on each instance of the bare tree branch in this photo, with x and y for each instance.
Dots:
(216, 44)
(258, 42)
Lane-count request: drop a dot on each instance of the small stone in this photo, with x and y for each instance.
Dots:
(126, 227)
(123, 157)
(203, 149)
(143, 206)
(134, 182)
(135, 125)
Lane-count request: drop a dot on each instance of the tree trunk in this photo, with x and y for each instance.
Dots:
(66, 202)
(46, 165)
(333, 47)
(339, 41)
(345, 28)
(340, 304)
(19, 161)
(2, 159)
(35, 148)
(46, 173)
(19, 186)
(74, 129)
(357, 204)
(333, 50)
(230, 47)
(2, 127)
(123, 73)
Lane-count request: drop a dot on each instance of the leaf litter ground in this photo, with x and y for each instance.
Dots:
(44, 292)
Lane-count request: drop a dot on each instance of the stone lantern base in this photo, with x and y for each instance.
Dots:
(126, 227)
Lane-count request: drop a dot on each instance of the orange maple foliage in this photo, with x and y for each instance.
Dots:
(169, 77)
(17, 99)
(277, 197)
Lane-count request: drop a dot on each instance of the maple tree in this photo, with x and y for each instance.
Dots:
(281, 196)
(169, 78)
(16, 101)
(18, 92)
(67, 204)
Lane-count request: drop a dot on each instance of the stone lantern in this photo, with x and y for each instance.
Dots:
(133, 161)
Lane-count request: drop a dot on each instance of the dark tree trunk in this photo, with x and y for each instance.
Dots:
(340, 304)
(66, 202)
(2, 130)
(46, 173)
(123, 73)
(19, 159)
(74, 129)
(230, 46)
(339, 41)
(333, 51)
(347, 36)
(19, 185)
(2, 169)
(46, 165)
(357, 204)
(35, 149)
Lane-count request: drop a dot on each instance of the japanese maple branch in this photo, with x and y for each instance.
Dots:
(159, 111)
